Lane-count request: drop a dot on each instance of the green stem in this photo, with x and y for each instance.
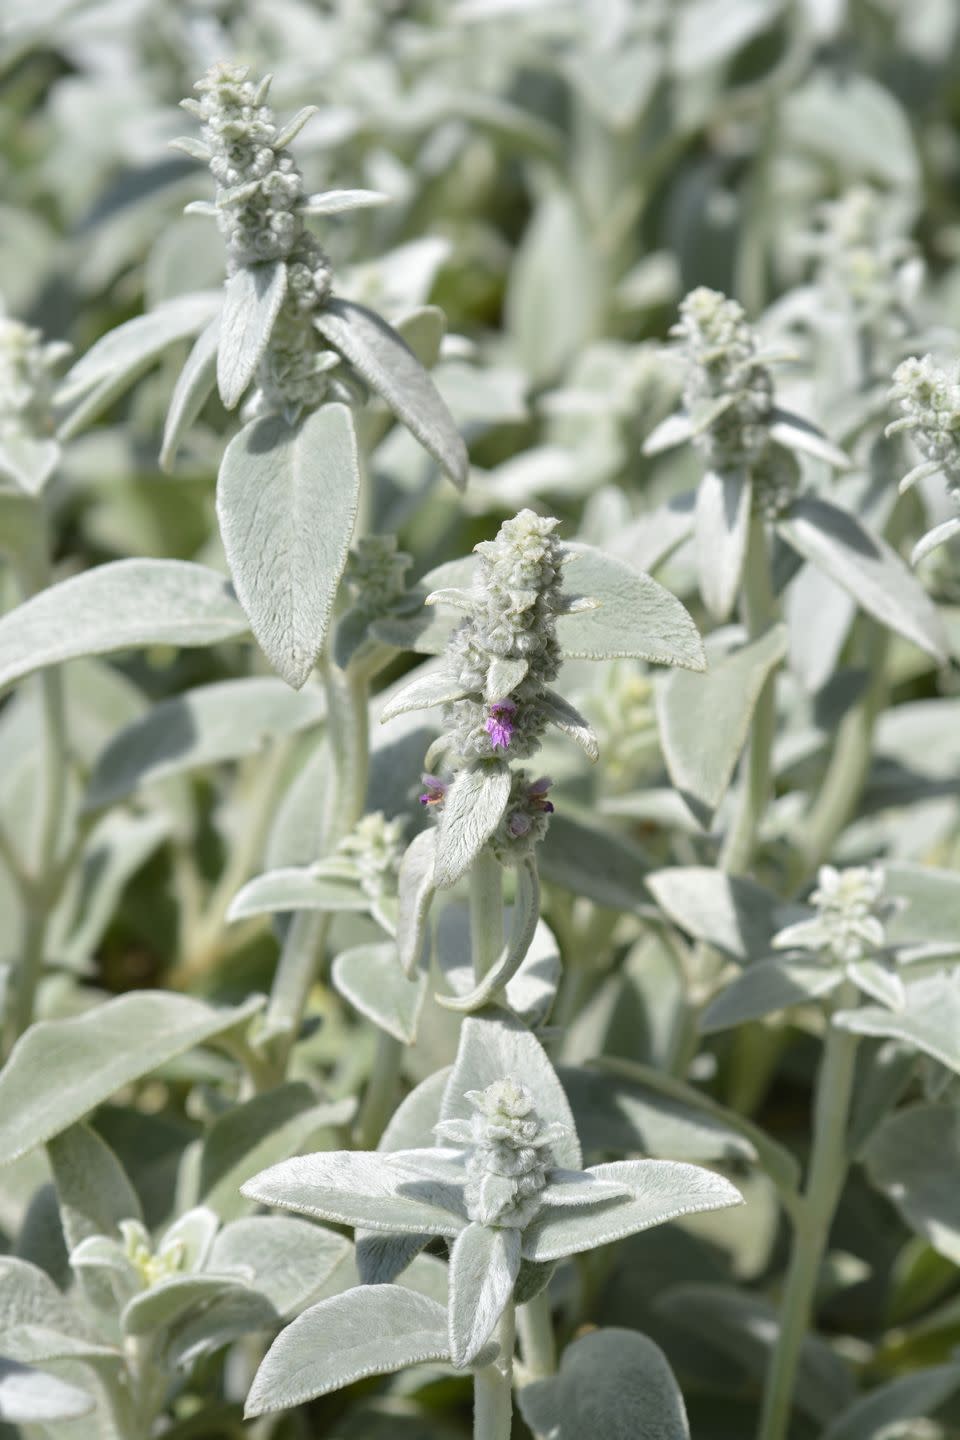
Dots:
(829, 1161)
(493, 1387)
(537, 1344)
(759, 611)
(381, 1093)
(348, 738)
(486, 912)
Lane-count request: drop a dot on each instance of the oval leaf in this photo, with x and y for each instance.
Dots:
(251, 303)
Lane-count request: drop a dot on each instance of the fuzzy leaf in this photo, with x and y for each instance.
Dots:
(62, 1069)
(32, 1397)
(416, 891)
(881, 1412)
(636, 617)
(767, 987)
(357, 1188)
(865, 566)
(736, 915)
(127, 604)
(287, 502)
(137, 343)
(705, 719)
(569, 721)
(286, 1259)
(473, 807)
(721, 527)
(794, 433)
(914, 1159)
(607, 868)
(251, 304)
(674, 430)
(338, 202)
(503, 677)
(662, 1190)
(531, 991)
(526, 914)
(29, 463)
(934, 538)
(373, 1330)
(370, 977)
(170, 1301)
(93, 1191)
(293, 888)
(194, 387)
(387, 364)
(436, 688)
(484, 1264)
(28, 1297)
(930, 1021)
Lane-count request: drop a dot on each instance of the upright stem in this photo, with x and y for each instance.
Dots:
(535, 1330)
(826, 1176)
(348, 738)
(759, 610)
(381, 1092)
(493, 1387)
(486, 912)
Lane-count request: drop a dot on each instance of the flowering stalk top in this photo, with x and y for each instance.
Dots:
(848, 926)
(929, 397)
(27, 379)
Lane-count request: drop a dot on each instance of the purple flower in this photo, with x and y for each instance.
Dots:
(434, 789)
(537, 795)
(499, 723)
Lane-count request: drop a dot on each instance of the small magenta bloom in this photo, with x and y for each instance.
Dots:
(434, 789)
(499, 724)
(537, 795)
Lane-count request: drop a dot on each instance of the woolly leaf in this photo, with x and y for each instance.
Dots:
(721, 527)
(31, 1397)
(484, 1264)
(93, 1191)
(296, 889)
(416, 891)
(370, 977)
(252, 299)
(193, 388)
(286, 1259)
(569, 721)
(736, 915)
(526, 913)
(767, 987)
(138, 343)
(436, 688)
(930, 1020)
(472, 809)
(913, 1157)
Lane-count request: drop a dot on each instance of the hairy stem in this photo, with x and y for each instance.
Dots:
(493, 1387)
(535, 1330)
(828, 1169)
(486, 912)
(381, 1092)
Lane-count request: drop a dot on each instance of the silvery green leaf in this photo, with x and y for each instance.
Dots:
(913, 1397)
(569, 721)
(484, 1263)
(636, 618)
(93, 1192)
(205, 726)
(612, 1382)
(361, 1189)
(503, 677)
(338, 202)
(59, 1070)
(735, 914)
(28, 462)
(127, 604)
(33, 1397)
(381, 1258)
(286, 1259)
(880, 982)
(290, 131)
(118, 846)
(794, 433)
(473, 807)
(701, 758)
(567, 1188)
(415, 890)
(524, 920)
(721, 527)
(287, 502)
(259, 1132)
(387, 364)
(675, 430)
(373, 1330)
(296, 888)
(29, 1297)
(495, 1047)
(371, 978)
(607, 868)
(138, 343)
(649, 540)
(913, 1157)
(766, 987)
(661, 1190)
(171, 1300)
(928, 910)
(251, 303)
(929, 1021)
(709, 33)
(854, 125)
(194, 387)
(553, 259)
(453, 596)
(934, 538)
(864, 565)
(436, 688)
(192, 1234)
(234, 1312)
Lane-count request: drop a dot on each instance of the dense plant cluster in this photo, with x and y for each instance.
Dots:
(374, 1061)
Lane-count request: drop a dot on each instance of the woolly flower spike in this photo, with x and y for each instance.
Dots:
(930, 399)
(525, 820)
(375, 845)
(868, 264)
(27, 365)
(727, 385)
(507, 1150)
(849, 926)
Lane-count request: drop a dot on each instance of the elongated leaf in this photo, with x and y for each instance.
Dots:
(338, 202)
(425, 691)
(614, 1383)
(416, 890)
(662, 1190)
(30, 1397)
(360, 1189)
(128, 604)
(736, 915)
(794, 433)
(721, 527)
(473, 807)
(387, 364)
(371, 978)
(674, 430)
(607, 868)
(909, 1397)
(296, 889)
(60, 1070)
(484, 1265)
(914, 1158)
(287, 502)
(526, 915)
(141, 341)
(28, 1297)
(93, 1191)
(369, 1331)
(705, 719)
(636, 618)
(193, 388)
(531, 992)
(766, 987)
(934, 538)
(569, 721)
(930, 1021)
(865, 566)
(28, 462)
(286, 1259)
(172, 1300)
(252, 299)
